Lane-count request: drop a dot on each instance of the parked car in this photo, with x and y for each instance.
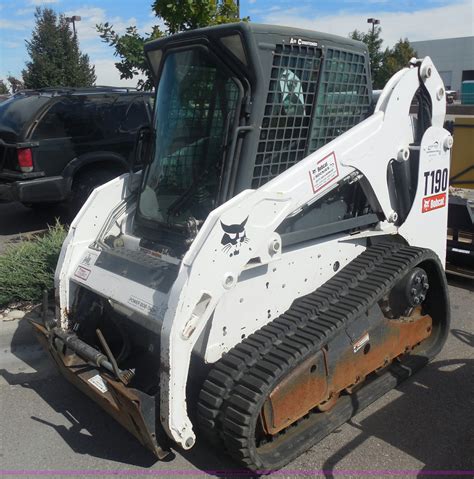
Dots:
(58, 145)
(451, 95)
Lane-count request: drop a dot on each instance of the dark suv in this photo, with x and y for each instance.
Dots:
(59, 144)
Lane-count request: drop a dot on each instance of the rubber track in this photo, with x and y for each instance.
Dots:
(230, 396)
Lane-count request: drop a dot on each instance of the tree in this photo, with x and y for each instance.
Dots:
(177, 16)
(15, 84)
(374, 45)
(3, 88)
(384, 64)
(185, 15)
(396, 58)
(56, 59)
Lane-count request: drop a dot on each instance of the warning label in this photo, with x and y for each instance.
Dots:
(326, 170)
(98, 383)
(82, 273)
(433, 202)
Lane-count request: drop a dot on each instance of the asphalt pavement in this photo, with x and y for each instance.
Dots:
(48, 428)
(17, 221)
(423, 427)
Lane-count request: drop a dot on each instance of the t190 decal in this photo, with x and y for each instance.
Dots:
(436, 184)
(436, 181)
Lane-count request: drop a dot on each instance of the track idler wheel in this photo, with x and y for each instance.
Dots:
(408, 293)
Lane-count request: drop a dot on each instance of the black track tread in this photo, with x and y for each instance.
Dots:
(232, 395)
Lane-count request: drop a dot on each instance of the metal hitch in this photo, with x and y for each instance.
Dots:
(91, 372)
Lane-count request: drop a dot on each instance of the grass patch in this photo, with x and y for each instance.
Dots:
(27, 268)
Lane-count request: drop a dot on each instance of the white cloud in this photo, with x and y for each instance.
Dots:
(15, 24)
(90, 17)
(455, 20)
(24, 11)
(9, 44)
(42, 2)
(101, 55)
(108, 75)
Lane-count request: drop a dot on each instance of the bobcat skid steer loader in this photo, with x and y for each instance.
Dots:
(278, 263)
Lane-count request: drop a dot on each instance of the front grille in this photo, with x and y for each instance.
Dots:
(295, 123)
(288, 111)
(343, 97)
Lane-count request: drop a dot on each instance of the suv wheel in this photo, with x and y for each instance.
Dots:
(85, 183)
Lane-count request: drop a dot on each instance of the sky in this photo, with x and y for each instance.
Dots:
(413, 19)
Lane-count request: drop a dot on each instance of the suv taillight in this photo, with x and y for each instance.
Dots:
(25, 160)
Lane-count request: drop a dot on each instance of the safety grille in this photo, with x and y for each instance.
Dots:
(343, 97)
(288, 111)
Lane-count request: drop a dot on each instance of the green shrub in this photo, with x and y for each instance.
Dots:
(27, 268)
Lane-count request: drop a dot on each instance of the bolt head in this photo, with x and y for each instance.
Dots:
(448, 142)
(274, 247)
(426, 71)
(403, 154)
(393, 217)
(229, 280)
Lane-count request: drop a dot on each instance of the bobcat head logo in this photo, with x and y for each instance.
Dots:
(233, 238)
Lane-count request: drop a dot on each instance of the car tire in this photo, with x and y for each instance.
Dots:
(84, 184)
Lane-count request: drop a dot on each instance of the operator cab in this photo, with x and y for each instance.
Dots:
(236, 105)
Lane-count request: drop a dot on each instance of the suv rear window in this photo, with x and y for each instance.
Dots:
(78, 116)
(19, 110)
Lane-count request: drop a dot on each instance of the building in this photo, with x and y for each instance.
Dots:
(453, 58)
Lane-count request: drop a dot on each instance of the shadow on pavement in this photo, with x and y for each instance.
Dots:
(92, 431)
(459, 282)
(427, 422)
(18, 219)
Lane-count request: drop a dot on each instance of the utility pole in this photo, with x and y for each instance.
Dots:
(73, 20)
(373, 21)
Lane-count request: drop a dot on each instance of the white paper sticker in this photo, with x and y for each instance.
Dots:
(326, 170)
(98, 383)
(82, 273)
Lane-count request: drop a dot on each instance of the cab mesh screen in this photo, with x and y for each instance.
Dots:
(343, 97)
(288, 111)
(295, 123)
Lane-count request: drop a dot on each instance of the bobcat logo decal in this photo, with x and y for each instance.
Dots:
(233, 238)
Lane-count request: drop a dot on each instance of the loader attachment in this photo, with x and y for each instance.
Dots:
(133, 409)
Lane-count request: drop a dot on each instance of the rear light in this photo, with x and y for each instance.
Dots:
(25, 160)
